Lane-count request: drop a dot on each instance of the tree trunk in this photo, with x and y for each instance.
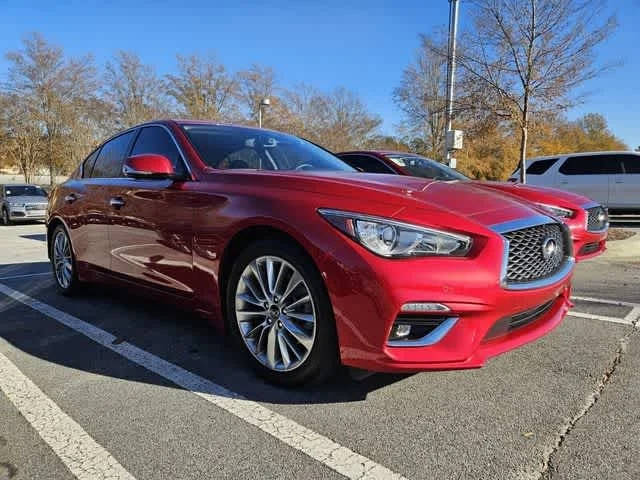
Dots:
(524, 131)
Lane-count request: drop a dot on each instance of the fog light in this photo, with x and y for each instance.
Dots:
(400, 331)
(424, 307)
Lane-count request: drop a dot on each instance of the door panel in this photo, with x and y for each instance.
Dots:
(87, 215)
(625, 188)
(596, 187)
(151, 234)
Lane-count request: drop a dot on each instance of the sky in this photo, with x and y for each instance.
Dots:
(362, 45)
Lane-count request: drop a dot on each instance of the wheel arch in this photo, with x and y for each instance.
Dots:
(51, 226)
(244, 238)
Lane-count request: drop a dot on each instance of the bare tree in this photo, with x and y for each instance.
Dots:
(52, 89)
(254, 84)
(203, 89)
(338, 120)
(133, 90)
(528, 56)
(22, 142)
(421, 97)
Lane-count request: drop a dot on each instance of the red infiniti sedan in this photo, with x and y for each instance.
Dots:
(587, 220)
(305, 261)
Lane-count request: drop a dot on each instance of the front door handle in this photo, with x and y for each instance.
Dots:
(116, 202)
(72, 197)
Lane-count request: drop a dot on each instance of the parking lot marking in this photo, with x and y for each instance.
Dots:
(603, 318)
(634, 316)
(25, 275)
(81, 454)
(322, 449)
(607, 301)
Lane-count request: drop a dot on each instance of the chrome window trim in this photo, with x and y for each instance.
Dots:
(430, 338)
(533, 221)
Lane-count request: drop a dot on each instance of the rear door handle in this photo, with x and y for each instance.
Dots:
(72, 197)
(564, 183)
(116, 202)
(619, 181)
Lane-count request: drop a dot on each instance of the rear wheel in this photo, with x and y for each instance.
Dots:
(63, 262)
(279, 311)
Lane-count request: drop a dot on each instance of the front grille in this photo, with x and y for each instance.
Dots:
(535, 252)
(597, 219)
(508, 324)
(36, 206)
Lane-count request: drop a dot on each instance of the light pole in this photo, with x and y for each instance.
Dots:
(265, 102)
(451, 70)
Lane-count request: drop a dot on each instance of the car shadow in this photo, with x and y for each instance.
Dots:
(177, 336)
(42, 237)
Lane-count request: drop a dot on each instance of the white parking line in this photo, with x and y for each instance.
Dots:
(331, 454)
(81, 454)
(603, 318)
(25, 275)
(607, 301)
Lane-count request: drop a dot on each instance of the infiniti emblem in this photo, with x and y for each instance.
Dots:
(549, 247)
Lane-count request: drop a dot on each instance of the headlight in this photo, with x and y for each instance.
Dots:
(556, 211)
(389, 238)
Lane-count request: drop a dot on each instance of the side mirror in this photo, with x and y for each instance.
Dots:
(148, 165)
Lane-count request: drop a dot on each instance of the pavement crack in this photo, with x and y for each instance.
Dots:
(547, 468)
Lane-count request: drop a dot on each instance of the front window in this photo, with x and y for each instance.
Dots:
(24, 191)
(238, 147)
(426, 168)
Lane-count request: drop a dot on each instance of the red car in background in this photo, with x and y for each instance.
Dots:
(305, 261)
(587, 220)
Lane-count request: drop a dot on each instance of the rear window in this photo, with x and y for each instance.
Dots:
(366, 163)
(592, 165)
(631, 163)
(539, 167)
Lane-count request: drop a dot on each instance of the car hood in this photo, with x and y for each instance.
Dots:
(483, 205)
(27, 199)
(546, 195)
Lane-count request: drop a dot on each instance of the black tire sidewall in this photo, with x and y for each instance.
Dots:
(323, 359)
(73, 286)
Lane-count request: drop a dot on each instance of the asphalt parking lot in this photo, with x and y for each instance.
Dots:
(105, 385)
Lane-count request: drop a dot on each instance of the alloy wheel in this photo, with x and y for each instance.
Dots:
(62, 260)
(275, 313)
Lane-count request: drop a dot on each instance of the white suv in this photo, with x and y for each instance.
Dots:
(609, 178)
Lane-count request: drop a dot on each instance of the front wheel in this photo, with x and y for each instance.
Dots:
(279, 311)
(63, 262)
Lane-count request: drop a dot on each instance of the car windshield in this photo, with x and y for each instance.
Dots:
(426, 168)
(24, 190)
(227, 147)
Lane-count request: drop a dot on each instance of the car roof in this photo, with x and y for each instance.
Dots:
(584, 154)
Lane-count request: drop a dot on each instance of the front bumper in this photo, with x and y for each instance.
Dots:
(17, 214)
(367, 293)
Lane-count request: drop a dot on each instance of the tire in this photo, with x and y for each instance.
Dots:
(5, 217)
(282, 345)
(63, 262)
